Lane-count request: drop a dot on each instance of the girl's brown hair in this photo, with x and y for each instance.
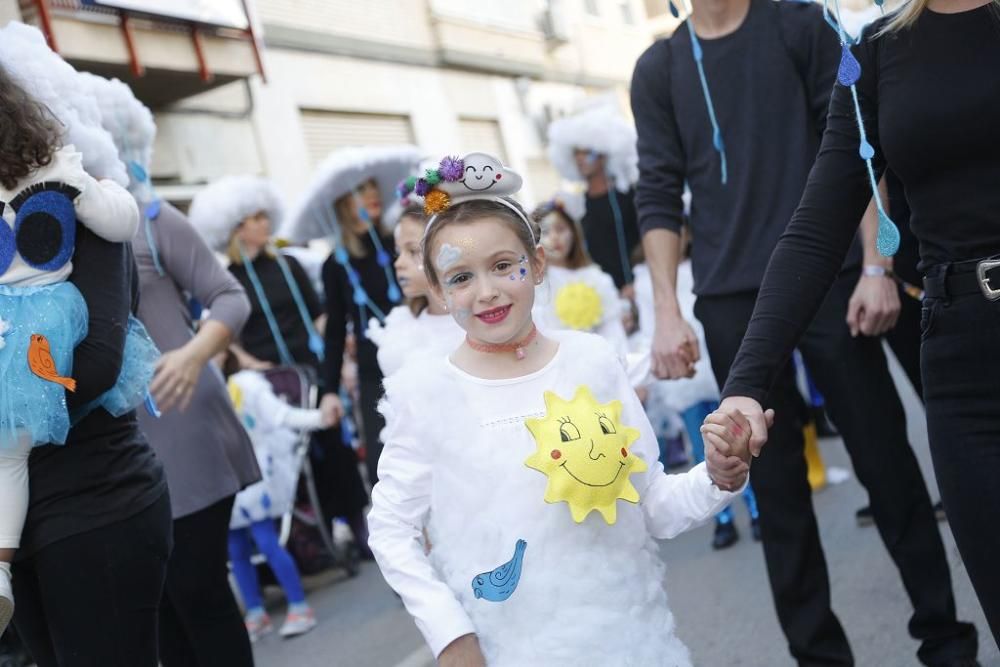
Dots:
(354, 243)
(471, 211)
(417, 304)
(578, 256)
(29, 133)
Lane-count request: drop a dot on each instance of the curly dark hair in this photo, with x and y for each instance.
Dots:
(29, 133)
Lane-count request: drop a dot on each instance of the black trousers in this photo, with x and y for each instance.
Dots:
(200, 622)
(904, 339)
(91, 600)
(854, 378)
(961, 373)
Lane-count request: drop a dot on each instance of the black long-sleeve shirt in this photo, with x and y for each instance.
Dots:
(930, 97)
(340, 308)
(106, 471)
(256, 337)
(601, 233)
(770, 83)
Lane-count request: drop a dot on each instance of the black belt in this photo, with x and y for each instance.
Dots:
(962, 278)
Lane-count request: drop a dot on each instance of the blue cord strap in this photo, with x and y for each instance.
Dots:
(381, 256)
(717, 142)
(315, 340)
(258, 288)
(150, 213)
(620, 229)
(848, 74)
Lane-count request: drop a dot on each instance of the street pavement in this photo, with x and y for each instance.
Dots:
(721, 599)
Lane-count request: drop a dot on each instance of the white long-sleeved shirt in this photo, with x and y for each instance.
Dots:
(454, 459)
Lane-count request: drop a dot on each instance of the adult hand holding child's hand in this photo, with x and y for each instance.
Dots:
(727, 448)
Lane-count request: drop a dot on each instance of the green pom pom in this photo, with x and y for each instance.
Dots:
(411, 183)
(432, 177)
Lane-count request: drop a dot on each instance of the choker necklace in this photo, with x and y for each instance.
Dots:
(517, 348)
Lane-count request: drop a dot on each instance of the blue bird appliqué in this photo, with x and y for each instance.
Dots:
(500, 583)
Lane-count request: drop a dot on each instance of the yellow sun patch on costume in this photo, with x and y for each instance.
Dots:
(578, 306)
(583, 448)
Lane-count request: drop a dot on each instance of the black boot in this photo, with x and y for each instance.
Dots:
(725, 536)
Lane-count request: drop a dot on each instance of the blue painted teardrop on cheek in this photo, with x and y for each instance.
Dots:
(850, 69)
(866, 151)
(382, 257)
(394, 294)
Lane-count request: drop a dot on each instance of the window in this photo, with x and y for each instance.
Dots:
(326, 131)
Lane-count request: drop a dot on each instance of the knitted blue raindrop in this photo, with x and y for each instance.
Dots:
(360, 297)
(887, 241)
(850, 69)
(395, 296)
(341, 256)
(382, 257)
(865, 150)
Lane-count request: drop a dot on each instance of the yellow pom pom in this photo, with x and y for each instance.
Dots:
(436, 201)
(579, 307)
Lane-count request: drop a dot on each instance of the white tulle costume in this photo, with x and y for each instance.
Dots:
(406, 336)
(274, 428)
(540, 581)
(583, 299)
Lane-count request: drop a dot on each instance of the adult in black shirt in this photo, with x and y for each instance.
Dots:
(929, 95)
(770, 67)
(600, 228)
(90, 570)
(342, 308)
(239, 214)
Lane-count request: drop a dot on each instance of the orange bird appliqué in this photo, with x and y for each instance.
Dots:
(41, 363)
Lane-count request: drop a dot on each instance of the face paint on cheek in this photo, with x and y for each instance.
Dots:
(462, 315)
(447, 257)
(524, 268)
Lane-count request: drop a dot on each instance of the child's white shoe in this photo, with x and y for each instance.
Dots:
(258, 625)
(6, 599)
(298, 623)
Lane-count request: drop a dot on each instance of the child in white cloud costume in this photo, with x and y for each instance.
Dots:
(531, 462)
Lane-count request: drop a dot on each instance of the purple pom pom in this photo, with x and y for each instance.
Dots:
(422, 188)
(451, 169)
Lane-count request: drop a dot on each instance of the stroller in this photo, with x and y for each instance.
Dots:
(305, 530)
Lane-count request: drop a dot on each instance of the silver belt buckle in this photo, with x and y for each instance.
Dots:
(982, 268)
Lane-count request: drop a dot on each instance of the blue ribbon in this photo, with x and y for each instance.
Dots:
(258, 288)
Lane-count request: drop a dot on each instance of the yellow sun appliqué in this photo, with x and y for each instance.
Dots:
(583, 448)
(578, 306)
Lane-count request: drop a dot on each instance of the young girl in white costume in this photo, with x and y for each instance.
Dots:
(531, 462)
(273, 426)
(421, 326)
(576, 294)
(44, 192)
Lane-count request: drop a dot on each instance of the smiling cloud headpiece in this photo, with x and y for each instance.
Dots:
(476, 176)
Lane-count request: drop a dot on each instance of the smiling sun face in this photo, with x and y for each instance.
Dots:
(583, 449)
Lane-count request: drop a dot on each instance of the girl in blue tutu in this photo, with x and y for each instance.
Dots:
(44, 193)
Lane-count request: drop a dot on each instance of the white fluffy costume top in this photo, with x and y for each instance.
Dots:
(273, 426)
(406, 336)
(582, 299)
(600, 129)
(534, 550)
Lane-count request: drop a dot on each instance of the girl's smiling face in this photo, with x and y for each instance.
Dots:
(409, 263)
(558, 238)
(487, 278)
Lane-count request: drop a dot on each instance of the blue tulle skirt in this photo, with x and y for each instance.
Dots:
(28, 403)
(138, 363)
